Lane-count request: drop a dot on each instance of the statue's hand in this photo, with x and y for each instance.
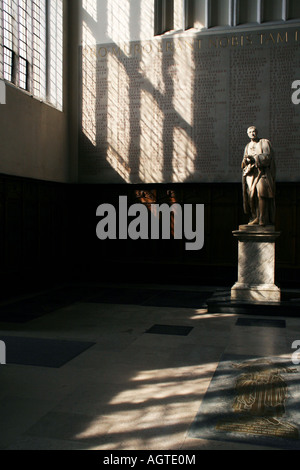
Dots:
(248, 169)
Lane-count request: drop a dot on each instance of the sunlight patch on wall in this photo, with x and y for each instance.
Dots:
(183, 79)
(151, 144)
(118, 12)
(90, 6)
(147, 19)
(118, 118)
(89, 92)
(184, 155)
(151, 66)
(184, 149)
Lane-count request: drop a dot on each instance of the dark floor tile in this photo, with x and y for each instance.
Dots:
(42, 352)
(170, 330)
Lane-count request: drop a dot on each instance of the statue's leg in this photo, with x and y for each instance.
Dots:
(254, 206)
(263, 211)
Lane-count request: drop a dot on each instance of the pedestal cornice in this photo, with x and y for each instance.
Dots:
(256, 233)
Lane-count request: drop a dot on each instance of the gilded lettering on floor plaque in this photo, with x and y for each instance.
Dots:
(259, 403)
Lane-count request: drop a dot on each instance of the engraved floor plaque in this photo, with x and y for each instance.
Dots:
(252, 400)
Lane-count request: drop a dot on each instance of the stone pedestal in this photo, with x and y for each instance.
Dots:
(256, 264)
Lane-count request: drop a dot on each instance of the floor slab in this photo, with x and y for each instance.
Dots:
(134, 389)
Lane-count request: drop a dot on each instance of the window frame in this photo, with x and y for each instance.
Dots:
(234, 8)
(30, 64)
(163, 16)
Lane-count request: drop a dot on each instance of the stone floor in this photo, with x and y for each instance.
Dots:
(132, 388)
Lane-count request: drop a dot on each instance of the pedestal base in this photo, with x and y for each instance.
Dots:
(258, 293)
(221, 302)
(256, 265)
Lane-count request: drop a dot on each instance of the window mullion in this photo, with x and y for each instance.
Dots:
(39, 52)
(260, 9)
(23, 47)
(47, 45)
(235, 12)
(208, 13)
(188, 14)
(17, 41)
(230, 13)
(285, 10)
(158, 16)
(164, 15)
(29, 44)
(55, 53)
(14, 41)
(1, 40)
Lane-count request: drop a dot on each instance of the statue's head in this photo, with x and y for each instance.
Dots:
(252, 132)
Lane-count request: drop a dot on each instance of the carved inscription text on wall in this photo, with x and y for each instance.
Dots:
(177, 109)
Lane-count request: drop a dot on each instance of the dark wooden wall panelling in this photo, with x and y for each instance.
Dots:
(34, 241)
(48, 234)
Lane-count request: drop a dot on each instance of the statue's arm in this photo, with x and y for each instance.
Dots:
(247, 160)
(244, 157)
(264, 160)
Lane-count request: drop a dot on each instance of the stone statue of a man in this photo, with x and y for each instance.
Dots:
(259, 173)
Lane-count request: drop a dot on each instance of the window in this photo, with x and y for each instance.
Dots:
(31, 47)
(164, 16)
(23, 63)
(272, 10)
(293, 9)
(55, 54)
(223, 13)
(195, 14)
(8, 36)
(219, 13)
(189, 14)
(247, 11)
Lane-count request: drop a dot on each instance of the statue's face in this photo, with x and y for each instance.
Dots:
(252, 133)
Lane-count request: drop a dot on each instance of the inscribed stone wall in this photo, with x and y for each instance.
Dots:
(177, 109)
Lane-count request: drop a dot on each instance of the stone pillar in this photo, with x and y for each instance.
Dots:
(256, 264)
